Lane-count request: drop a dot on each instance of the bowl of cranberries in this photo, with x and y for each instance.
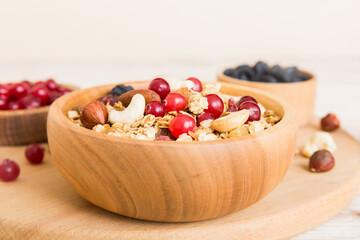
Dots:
(296, 86)
(172, 151)
(23, 110)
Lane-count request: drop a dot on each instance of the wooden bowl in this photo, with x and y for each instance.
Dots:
(171, 181)
(300, 94)
(23, 126)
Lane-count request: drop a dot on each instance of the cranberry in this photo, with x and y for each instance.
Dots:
(9, 170)
(175, 102)
(18, 91)
(34, 153)
(247, 99)
(255, 112)
(160, 86)
(26, 84)
(30, 102)
(232, 105)
(51, 85)
(38, 84)
(181, 124)
(216, 105)
(15, 105)
(155, 108)
(53, 96)
(163, 138)
(64, 90)
(3, 103)
(197, 84)
(42, 93)
(205, 116)
(4, 91)
(111, 99)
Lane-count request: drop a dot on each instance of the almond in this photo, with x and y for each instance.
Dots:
(93, 113)
(149, 95)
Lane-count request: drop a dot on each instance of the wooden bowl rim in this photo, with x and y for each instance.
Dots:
(42, 109)
(56, 113)
(277, 84)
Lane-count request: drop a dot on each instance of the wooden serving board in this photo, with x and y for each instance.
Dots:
(40, 205)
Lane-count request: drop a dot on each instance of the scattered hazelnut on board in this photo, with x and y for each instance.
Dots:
(321, 161)
(330, 122)
(93, 113)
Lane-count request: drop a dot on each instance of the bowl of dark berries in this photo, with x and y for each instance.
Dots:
(23, 110)
(296, 86)
(172, 150)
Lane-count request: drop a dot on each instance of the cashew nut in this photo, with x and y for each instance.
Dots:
(320, 140)
(134, 111)
(231, 121)
(176, 84)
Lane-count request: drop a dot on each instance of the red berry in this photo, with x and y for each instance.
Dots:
(197, 84)
(30, 102)
(34, 153)
(160, 86)
(18, 91)
(55, 95)
(205, 116)
(175, 102)
(232, 105)
(51, 85)
(42, 93)
(255, 112)
(15, 105)
(4, 91)
(216, 105)
(3, 103)
(155, 108)
(26, 84)
(38, 84)
(63, 90)
(181, 124)
(9, 170)
(247, 99)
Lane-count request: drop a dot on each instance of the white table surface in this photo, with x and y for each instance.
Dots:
(338, 91)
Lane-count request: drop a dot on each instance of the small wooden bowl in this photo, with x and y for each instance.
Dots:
(23, 126)
(171, 181)
(300, 94)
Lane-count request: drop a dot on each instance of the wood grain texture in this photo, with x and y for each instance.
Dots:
(171, 181)
(40, 205)
(24, 126)
(300, 94)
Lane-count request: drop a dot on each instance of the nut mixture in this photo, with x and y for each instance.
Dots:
(174, 110)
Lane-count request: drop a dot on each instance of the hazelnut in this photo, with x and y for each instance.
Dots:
(321, 161)
(93, 113)
(330, 122)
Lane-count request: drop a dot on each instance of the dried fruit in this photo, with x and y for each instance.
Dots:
(93, 113)
(321, 161)
(120, 89)
(9, 170)
(34, 153)
(330, 122)
(149, 95)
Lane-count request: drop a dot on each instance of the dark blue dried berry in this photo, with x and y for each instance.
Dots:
(289, 74)
(229, 72)
(120, 89)
(261, 68)
(268, 79)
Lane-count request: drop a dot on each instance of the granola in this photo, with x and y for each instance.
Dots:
(147, 126)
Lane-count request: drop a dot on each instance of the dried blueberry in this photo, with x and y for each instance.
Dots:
(120, 89)
(261, 68)
(268, 79)
(229, 72)
(244, 72)
(289, 74)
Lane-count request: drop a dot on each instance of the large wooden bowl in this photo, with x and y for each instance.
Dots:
(24, 126)
(300, 94)
(171, 181)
